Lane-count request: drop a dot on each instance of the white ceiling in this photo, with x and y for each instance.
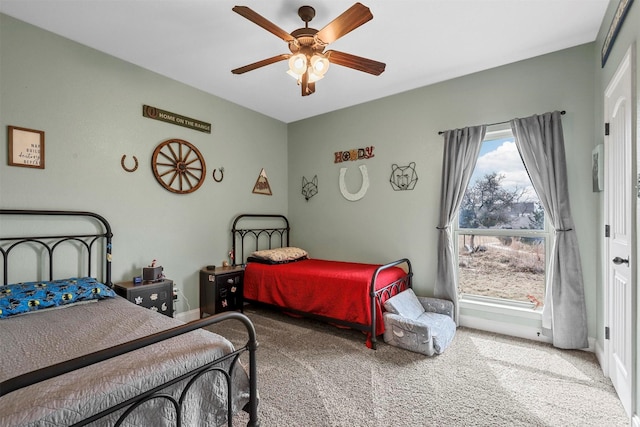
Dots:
(199, 42)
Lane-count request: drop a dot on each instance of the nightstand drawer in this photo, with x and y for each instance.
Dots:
(221, 290)
(157, 296)
(228, 292)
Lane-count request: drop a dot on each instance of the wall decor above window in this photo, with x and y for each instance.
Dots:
(26, 147)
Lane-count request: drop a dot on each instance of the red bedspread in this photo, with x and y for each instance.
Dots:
(335, 289)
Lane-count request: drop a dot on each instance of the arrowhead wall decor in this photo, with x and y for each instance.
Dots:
(262, 184)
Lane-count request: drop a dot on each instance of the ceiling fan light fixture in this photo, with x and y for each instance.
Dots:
(294, 75)
(319, 64)
(308, 61)
(298, 64)
(313, 77)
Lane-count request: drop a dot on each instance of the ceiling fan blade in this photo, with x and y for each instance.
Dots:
(263, 22)
(262, 63)
(356, 62)
(350, 19)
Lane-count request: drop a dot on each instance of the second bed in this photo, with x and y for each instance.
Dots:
(347, 294)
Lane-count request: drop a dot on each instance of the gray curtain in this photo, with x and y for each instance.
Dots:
(541, 144)
(461, 148)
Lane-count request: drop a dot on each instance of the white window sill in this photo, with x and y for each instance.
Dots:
(500, 307)
(518, 319)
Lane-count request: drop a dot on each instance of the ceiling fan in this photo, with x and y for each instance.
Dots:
(308, 60)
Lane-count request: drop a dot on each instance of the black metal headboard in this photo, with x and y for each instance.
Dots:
(48, 243)
(267, 231)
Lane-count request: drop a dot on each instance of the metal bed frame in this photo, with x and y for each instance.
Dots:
(90, 241)
(277, 235)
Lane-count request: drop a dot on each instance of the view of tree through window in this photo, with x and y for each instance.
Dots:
(501, 228)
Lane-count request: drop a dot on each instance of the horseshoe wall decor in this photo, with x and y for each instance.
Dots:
(363, 189)
(221, 175)
(135, 166)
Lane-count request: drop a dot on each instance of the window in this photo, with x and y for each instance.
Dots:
(501, 236)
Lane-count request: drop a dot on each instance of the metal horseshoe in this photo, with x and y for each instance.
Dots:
(221, 175)
(135, 159)
(363, 189)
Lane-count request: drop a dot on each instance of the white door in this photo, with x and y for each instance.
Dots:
(620, 199)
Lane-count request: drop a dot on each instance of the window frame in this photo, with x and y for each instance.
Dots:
(499, 132)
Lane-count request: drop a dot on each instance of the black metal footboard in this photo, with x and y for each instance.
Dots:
(378, 297)
(53, 371)
(94, 256)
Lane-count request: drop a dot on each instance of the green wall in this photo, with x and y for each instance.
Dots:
(90, 106)
(388, 224)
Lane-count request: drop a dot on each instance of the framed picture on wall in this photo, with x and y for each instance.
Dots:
(614, 29)
(26, 147)
(597, 167)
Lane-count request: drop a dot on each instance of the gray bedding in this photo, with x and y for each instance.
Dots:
(45, 337)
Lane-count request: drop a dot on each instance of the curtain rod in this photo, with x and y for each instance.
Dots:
(498, 123)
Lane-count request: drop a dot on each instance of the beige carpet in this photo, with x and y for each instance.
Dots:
(313, 374)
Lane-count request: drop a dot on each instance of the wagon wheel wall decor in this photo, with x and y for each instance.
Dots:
(178, 166)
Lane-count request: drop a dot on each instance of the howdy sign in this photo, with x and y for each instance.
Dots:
(176, 119)
(353, 155)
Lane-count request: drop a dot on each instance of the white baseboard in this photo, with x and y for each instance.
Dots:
(602, 360)
(188, 316)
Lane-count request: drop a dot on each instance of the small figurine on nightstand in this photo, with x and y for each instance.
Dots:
(152, 273)
(226, 263)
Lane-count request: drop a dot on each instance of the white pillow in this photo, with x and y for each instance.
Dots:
(405, 304)
(281, 254)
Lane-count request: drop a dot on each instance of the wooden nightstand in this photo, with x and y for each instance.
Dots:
(157, 296)
(221, 290)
